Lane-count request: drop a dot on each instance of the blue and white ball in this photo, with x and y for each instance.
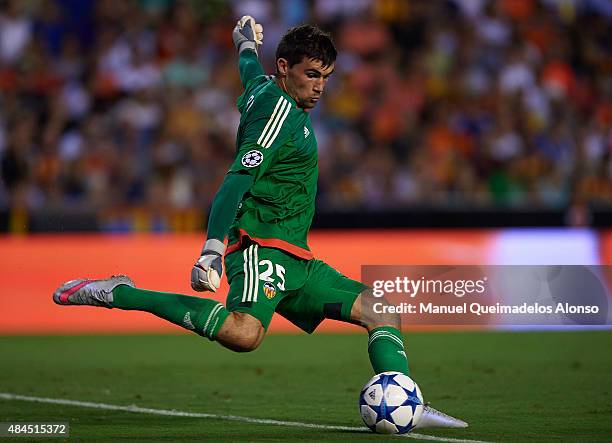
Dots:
(391, 403)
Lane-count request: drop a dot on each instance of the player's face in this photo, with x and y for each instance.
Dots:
(305, 81)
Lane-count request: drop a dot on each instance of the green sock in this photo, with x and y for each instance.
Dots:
(201, 315)
(386, 350)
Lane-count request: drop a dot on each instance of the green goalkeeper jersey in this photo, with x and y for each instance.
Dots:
(276, 145)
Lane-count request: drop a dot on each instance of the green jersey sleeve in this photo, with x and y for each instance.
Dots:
(249, 66)
(268, 123)
(225, 204)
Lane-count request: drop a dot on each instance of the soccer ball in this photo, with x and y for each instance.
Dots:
(391, 403)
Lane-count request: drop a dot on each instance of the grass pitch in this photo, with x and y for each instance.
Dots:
(546, 386)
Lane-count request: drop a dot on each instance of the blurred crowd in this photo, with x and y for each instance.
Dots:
(462, 103)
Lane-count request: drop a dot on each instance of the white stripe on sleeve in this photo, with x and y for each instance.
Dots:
(275, 129)
(273, 118)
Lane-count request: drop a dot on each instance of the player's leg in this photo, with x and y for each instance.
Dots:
(329, 294)
(241, 332)
(386, 351)
(201, 315)
(209, 318)
(385, 344)
(237, 331)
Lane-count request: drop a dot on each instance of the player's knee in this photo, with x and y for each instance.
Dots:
(249, 341)
(244, 333)
(386, 319)
(372, 312)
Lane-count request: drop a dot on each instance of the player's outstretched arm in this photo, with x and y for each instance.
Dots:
(248, 36)
(206, 273)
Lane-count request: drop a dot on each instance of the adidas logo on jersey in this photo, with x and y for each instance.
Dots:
(250, 103)
(187, 321)
(306, 132)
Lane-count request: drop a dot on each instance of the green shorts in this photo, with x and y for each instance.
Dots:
(267, 280)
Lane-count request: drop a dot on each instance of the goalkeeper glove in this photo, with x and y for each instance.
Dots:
(247, 34)
(206, 273)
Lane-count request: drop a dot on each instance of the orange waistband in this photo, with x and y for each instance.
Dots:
(271, 243)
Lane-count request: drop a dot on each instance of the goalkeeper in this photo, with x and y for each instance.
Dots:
(264, 209)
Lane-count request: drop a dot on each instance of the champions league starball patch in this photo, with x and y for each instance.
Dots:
(269, 289)
(252, 158)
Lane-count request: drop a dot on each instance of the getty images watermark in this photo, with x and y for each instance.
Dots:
(492, 295)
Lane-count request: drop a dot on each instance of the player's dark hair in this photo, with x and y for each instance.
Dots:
(307, 41)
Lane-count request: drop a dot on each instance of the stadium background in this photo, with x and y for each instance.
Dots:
(120, 116)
